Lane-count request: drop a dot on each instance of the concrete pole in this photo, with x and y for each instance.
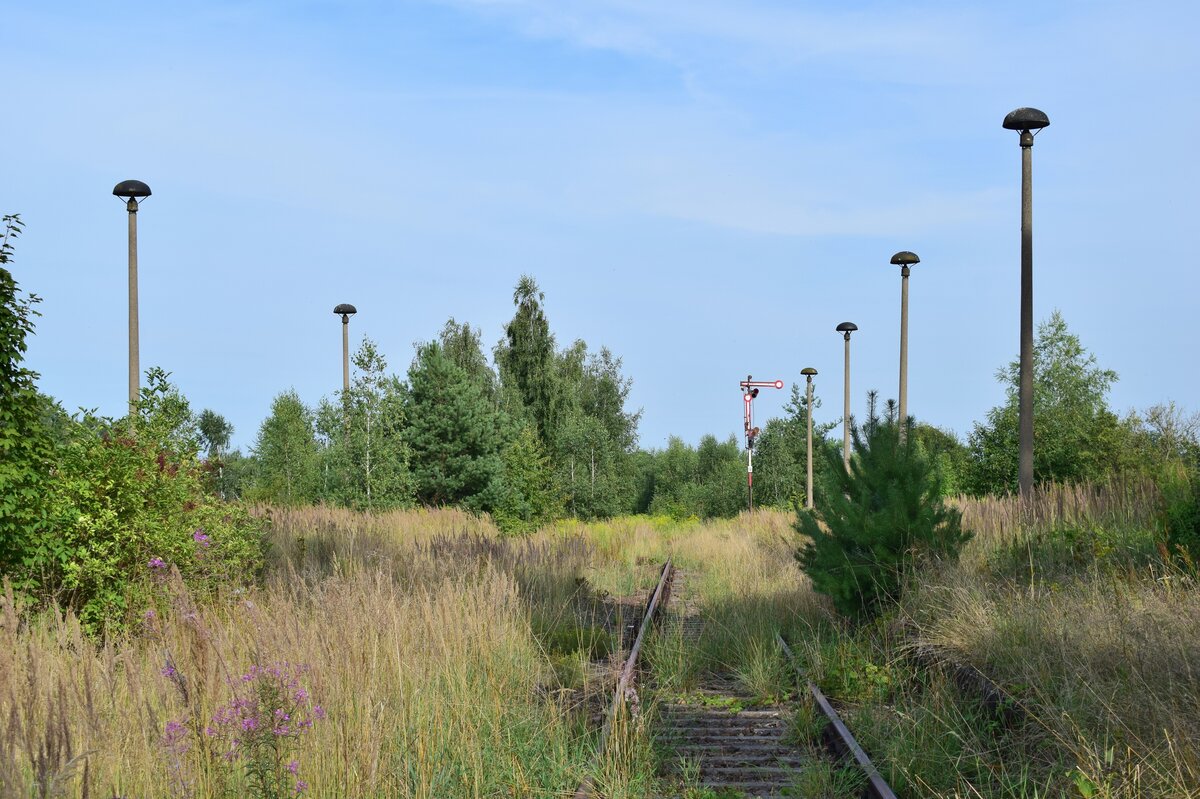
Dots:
(134, 371)
(846, 410)
(904, 273)
(346, 352)
(809, 480)
(1025, 391)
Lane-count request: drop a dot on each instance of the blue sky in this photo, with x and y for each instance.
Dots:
(705, 187)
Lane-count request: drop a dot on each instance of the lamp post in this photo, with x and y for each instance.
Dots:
(1027, 121)
(345, 310)
(904, 260)
(808, 373)
(846, 328)
(133, 191)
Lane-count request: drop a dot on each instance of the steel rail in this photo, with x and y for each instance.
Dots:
(628, 671)
(840, 737)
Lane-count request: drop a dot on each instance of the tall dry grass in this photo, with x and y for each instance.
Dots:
(1122, 501)
(416, 639)
(1064, 601)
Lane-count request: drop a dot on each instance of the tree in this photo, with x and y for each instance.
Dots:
(593, 436)
(871, 524)
(525, 357)
(720, 477)
(530, 497)
(26, 447)
(674, 482)
(463, 345)
(286, 450)
(1076, 436)
(949, 456)
(215, 432)
(453, 433)
(365, 459)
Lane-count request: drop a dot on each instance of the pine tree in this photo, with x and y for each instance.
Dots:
(453, 434)
(463, 345)
(878, 518)
(530, 497)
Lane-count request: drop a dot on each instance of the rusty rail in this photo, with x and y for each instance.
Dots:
(840, 738)
(625, 681)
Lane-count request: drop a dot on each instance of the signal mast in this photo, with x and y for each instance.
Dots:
(750, 388)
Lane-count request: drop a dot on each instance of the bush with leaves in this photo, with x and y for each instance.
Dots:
(872, 523)
(26, 445)
(128, 500)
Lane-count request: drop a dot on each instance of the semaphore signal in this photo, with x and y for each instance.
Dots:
(750, 388)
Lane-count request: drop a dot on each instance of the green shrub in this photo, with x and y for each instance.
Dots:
(128, 502)
(878, 518)
(1181, 515)
(25, 443)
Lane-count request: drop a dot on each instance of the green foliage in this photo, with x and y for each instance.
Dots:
(593, 436)
(215, 432)
(286, 451)
(26, 445)
(781, 453)
(530, 497)
(463, 345)
(1181, 515)
(950, 457)
(365, 461)
(453, 434)
(706, 482)
(1076, 436)
(525, 357)
(123, 498)
(879, 518)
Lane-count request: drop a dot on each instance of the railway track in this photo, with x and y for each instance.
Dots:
(718, 737)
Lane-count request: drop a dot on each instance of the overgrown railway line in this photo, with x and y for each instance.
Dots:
(719, 737)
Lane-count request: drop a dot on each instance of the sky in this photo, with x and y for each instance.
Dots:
(705, 187)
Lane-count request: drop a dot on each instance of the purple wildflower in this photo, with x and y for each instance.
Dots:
(301, 786)
(157, 563)
(200, 537)
(318, 712)
(168, 671)
(249, 723)
(174, 737)
(294, 767)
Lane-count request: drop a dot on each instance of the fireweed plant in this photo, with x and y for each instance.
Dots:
(261, 726)
(254, 734)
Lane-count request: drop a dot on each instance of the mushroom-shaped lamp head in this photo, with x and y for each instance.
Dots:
(345, 309)
(1026, 119)
(846, 327)
(131, 189)
(905, 258)
(808, 372)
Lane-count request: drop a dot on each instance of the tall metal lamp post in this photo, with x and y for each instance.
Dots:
(133, 191)
(904, 260)
(847, 328)
(808, 373)
(1028, 121)
(345, 310)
